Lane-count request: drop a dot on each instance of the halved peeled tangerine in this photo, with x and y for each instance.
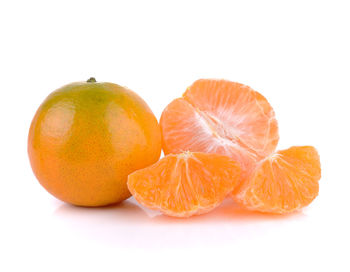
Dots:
(185, 184)
(222, 117)
(283, 182)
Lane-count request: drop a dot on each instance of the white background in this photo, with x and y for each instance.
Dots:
(296, 53)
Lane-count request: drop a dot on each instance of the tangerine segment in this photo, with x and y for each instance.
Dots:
(284, 182)
(185, 184)
(219, 116)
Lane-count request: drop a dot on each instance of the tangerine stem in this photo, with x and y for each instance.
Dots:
(91, 79)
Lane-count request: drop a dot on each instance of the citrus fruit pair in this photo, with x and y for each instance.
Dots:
(87, 139)
(221, 137)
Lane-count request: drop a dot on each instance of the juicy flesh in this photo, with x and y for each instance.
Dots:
(284, 182)
(218, 116)
(185, 184)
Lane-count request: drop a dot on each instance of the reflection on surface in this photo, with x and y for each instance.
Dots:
(128, 225)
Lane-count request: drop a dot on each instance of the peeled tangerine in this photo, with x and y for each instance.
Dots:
(231, 119)
(223, 117)
(283, 182)
(185, 184)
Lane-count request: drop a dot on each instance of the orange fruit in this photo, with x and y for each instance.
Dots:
(185, 184)
(283, 182)
(223, 117)
(87, 137)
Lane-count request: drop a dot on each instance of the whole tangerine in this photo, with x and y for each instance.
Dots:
(87, 137)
